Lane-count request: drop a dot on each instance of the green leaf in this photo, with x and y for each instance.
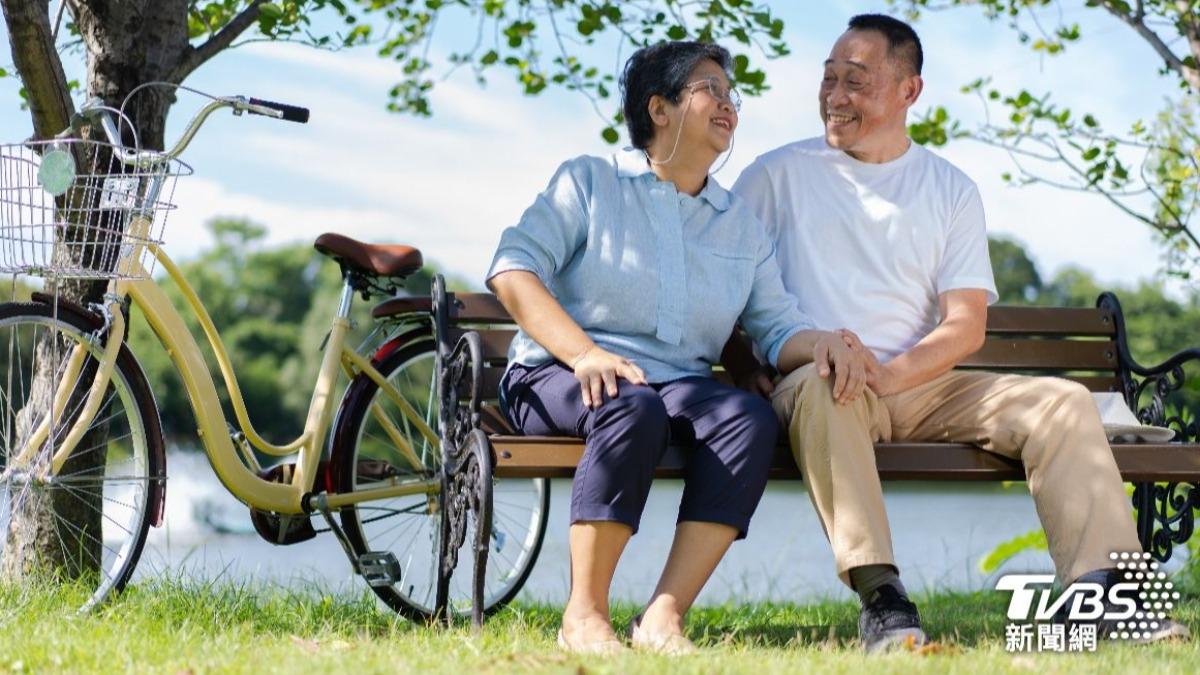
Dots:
(1090, 154)
(1030, 541)
(1090, 121)
(610, 135)
(676, 33)
(270, 10)
(3, 72)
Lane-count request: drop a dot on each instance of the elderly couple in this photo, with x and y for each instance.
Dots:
(858, 264)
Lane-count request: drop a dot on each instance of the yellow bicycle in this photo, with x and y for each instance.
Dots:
(83, 470)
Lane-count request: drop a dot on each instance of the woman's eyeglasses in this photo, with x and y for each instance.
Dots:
(718, 91)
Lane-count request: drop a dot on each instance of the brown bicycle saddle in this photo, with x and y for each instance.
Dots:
(383, 260)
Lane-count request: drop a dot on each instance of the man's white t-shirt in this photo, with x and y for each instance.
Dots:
(869, 247)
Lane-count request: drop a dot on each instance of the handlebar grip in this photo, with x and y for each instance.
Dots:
(291, 113)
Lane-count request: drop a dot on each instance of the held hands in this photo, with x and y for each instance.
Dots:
(597, 371)
(878, 376)
(834, 353)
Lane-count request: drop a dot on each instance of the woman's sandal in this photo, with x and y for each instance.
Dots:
(599, 648)
(668, 644)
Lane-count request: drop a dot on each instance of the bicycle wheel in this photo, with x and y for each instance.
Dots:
(87, 524)
(364, 455)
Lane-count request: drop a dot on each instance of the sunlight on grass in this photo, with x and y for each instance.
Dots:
(179, 626)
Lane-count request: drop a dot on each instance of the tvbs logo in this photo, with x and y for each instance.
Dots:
(1128, 609)
(1082, 601)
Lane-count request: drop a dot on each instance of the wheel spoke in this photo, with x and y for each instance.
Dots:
(100, 508)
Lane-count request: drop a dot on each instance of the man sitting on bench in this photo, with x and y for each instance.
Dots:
(879, 236)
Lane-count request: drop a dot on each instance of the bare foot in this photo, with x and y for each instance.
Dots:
(661, 618)
(588, 632)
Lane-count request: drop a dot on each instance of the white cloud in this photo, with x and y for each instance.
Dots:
(447, 188)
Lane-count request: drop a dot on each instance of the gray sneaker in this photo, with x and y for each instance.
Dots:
(889, 620)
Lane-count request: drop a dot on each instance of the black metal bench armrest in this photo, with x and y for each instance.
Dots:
(1159, 380)
(1175, 361)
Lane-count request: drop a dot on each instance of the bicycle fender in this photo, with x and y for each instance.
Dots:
(155, 441)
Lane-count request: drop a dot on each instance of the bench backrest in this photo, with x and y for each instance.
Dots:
(1075, 343)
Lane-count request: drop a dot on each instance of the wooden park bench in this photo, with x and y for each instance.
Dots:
(1085, 345)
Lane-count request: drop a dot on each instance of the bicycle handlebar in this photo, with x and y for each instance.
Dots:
(290, 113)
(96, 111)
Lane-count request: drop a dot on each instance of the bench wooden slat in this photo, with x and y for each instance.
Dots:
(1099, 383)
(398, 306)
(492, 375)
(1000, 354)
(485, 308)
(467, 308)
(1057, 355)
(495, 342)
(1061, 321)
(478, 308)
(552, 457)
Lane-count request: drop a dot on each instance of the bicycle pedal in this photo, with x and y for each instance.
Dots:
(379, 568)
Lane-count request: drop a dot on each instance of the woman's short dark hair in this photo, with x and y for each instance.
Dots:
(662, 70)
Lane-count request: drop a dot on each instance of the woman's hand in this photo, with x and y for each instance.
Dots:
(833, 353)
(597, 370)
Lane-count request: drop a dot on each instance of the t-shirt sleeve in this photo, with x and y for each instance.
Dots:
(551, 230)
(755, 189)
(965, 262)
(772, 315)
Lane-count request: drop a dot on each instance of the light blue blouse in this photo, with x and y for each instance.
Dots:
(652, 274)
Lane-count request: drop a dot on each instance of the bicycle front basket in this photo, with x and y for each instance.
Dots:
(70, 208)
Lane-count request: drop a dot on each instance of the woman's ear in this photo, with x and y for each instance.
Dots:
(657, 107)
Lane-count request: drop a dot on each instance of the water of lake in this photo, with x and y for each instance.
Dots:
(940, 532)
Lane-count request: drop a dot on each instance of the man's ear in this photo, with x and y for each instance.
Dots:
(657, 107)
(912, 88)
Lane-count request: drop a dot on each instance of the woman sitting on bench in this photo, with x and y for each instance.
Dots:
(626, 277)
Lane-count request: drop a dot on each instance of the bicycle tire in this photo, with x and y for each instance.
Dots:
(405, 351)
(142, 460)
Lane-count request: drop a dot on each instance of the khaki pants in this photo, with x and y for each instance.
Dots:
(1049, 424)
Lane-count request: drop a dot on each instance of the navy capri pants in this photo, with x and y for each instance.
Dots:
(730, 435)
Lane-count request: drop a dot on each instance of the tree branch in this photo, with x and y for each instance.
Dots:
(38, 64)
(197, 56)
(1137, 22)
(1190, 25)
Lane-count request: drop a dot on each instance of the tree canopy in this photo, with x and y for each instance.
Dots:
(540, 44)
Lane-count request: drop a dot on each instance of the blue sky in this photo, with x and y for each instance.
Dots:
(450, 184)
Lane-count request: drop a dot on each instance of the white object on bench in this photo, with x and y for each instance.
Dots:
(1120, 424)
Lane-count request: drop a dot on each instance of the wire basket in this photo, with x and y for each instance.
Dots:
(70, 208)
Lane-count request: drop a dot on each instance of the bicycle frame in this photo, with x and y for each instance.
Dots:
(234, 470)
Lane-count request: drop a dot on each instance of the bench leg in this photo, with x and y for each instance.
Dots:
(480, 496)
(1166, 515)
(466, 471)
(466, 501)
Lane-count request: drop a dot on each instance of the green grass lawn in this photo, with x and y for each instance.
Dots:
(167, 627)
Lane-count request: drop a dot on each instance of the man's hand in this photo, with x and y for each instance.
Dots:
(832, 354)
(757, 381)
(597, 370)
(880, 378)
